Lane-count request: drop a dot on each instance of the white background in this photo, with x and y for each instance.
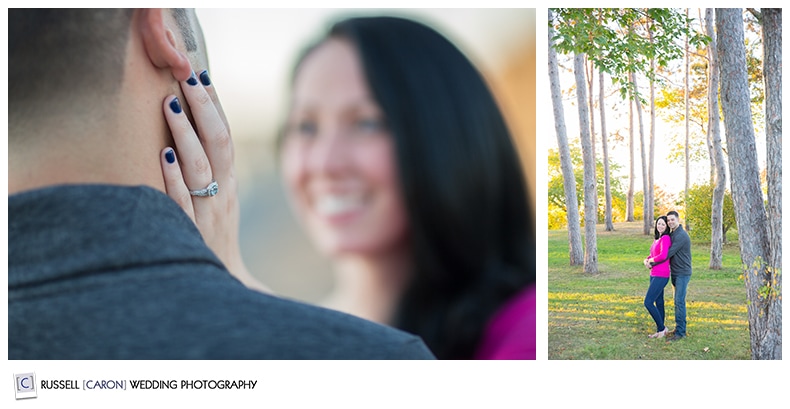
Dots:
(405, 384)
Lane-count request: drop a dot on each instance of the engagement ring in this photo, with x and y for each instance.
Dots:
(210, 190)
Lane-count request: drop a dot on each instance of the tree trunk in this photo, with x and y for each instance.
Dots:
(712, 88)
(688, 172)
(576, 252)
(647, 225)
(717, 156)
(629, 200)
(709, 143)
(605, 147)
(706, 129)
(590, 199)
(763, 295)
(772, 73)
(649, 193)
(590, 81)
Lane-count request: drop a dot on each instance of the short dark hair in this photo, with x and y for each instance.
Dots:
(53, 54)
(655, 226)
(463, 186)
(185, 27)
(673, 213)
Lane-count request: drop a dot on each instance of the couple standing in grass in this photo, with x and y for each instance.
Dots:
(670, 257)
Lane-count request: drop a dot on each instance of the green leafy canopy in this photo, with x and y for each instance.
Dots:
(623, 41)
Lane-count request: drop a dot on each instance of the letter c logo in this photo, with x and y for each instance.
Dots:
(22, 383)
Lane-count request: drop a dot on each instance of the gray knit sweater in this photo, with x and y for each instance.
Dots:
(680, 253)
(110, 272)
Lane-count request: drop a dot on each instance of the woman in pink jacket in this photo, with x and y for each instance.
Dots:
(659, 275)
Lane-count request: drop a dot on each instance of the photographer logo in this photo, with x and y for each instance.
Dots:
(25, 385)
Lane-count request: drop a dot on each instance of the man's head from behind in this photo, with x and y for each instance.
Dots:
(62, 53)
(76, 73)
(54, 54)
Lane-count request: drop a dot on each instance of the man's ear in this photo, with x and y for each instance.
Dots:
(160, 44)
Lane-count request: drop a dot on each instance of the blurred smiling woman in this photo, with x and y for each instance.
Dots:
(399, 164)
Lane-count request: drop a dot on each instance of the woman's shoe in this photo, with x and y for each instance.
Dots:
(659, 334)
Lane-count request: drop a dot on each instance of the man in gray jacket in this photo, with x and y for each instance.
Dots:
(680, 269)
(102, 263)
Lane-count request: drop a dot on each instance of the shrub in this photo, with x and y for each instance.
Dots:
(698, 209)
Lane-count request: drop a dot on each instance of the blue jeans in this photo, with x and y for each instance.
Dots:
(654, 300)
(681, 284)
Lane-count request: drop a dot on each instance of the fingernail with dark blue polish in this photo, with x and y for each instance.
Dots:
(192, 80)
(170, 156)
(175, 106)
(204, 78)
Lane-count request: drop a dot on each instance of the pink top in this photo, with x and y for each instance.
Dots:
(659, 251)
(510, 333)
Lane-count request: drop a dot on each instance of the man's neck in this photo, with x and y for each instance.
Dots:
(106, 148)
(116, 140)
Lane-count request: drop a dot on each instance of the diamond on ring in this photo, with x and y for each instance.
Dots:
(210, 190)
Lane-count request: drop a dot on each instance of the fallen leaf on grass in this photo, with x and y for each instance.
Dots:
(706, 349)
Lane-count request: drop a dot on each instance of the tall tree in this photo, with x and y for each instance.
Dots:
(590, 193)
(717, 156)
(647, 225)
(763, 285)
(613, 39)
(629, 203)
(708, 137)
(649, 196)
(605, 148)
(772, 73)
(688, 133)
(590, 83)
(576, 252)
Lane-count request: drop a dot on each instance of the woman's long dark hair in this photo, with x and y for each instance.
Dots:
(655, 227)
(463, 186)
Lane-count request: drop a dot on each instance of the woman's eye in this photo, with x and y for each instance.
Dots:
(306, 128)
(369, 125)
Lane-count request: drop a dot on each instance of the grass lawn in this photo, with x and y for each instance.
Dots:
(602, 316)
